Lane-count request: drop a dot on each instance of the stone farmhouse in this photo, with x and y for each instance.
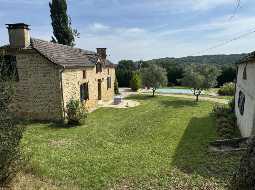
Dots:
(49, 75)
(245, 95)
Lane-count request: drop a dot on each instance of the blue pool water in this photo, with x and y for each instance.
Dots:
(174, 91)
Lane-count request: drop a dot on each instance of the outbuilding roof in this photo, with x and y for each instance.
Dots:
(250, 57)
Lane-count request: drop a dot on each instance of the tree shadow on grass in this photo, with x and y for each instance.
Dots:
(141, 97)
(179, 103)
(61, 125)
(192, 155)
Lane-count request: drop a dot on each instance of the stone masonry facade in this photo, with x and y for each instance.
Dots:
(52, 74)
(73, 78)
(38, 93)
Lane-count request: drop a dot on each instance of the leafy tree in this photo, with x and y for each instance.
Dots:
(61, 23)
(199, 78)
(10, 133)
(175, 66)
(153, 77)
(228, 74)
(116, 87)
(136, 82)
(124, 72)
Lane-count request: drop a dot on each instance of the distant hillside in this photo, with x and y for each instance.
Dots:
(218, 60)
(175, 67)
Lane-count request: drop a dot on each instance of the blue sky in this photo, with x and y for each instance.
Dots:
(143, 29)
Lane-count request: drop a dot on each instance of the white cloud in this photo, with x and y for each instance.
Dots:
(184, 5)
(98, 27)
(32, 2)
(209, 4)
(138, 43)
(134, 41)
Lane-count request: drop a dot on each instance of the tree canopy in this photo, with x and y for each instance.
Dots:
(61, 23)
(124, 72)
(199, 78)
(135, 82)
(154, 77)
(175, 67)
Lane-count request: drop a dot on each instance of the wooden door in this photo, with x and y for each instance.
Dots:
(99, 89)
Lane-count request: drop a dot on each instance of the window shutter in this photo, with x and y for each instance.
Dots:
(81, 93)
(109, 83)
(86, 91)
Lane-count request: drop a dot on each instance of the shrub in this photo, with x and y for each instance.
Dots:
(116, 86)
(135, 82)
(76, 112)
(226, 120)
(227, 89)
(10, 136)
(231, 105)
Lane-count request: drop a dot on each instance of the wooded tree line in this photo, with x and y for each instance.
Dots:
(176, 68)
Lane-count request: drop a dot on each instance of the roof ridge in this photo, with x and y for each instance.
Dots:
(87, 52)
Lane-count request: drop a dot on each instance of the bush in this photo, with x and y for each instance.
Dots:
(135, 82)
(10, 136)
(225, 121)
(76, 112)
(227, 89)
(231, 105)
(116, 87)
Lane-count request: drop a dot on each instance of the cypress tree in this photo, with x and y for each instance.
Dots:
(61, 23)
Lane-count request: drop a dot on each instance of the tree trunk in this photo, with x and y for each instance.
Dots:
(153, 92)
(244, 179)
(197, 98)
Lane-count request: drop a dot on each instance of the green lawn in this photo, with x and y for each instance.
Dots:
(161, 144)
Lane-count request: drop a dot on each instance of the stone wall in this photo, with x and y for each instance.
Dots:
(38, 91)
(246, 121)
(73, 78)
(38, 94)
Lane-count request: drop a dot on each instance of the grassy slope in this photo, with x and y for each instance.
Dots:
(161, 144)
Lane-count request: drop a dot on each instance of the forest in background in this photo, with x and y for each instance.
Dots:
(175, 67)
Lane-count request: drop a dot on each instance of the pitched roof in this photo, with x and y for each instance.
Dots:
(65, 56)
(248, 58)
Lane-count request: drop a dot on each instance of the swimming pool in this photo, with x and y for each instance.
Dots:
(174, 91)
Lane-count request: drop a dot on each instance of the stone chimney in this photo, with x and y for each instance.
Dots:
(19, 36)
(101, 52)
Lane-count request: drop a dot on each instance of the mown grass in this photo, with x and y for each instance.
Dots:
(161, 144)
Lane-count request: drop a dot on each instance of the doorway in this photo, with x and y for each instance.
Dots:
(99, 89)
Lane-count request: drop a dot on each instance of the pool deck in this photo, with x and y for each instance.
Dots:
(127, 92)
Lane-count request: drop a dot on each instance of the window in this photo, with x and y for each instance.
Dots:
(109, 82)
(241, 102)
(245, 73)
(98, 67)
(84, 74)
(84, 91)
(108, 71)
(8, 68)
